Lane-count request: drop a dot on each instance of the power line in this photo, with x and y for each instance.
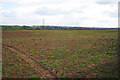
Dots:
(43, 21)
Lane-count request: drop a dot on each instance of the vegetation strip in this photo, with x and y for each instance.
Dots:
(46, 71)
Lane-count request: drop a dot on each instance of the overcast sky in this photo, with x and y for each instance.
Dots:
(84, 13)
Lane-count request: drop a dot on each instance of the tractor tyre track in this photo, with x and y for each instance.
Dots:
(37, 66)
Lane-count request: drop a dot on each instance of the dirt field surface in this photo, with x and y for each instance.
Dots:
(60, 54)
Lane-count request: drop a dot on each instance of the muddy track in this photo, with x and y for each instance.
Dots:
(46, 73)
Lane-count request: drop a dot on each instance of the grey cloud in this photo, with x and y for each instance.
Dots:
(104, 3)
(114, 14)
(8, 14)
(56, 11)
(108, 1)
(50, 11)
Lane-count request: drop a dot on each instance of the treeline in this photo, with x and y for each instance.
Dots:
(36, 27)
(16, 27)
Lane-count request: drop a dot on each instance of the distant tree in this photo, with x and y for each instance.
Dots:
(26, 27)
(38, 28)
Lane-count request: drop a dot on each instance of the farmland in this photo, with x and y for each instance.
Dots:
(60, 53)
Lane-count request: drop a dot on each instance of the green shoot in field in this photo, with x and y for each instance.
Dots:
(11, 64)
(34, 76)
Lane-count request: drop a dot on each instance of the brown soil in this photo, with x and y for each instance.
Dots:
(40, 44)
(37, 66)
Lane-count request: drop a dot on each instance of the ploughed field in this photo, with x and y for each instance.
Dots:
(60, 54)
